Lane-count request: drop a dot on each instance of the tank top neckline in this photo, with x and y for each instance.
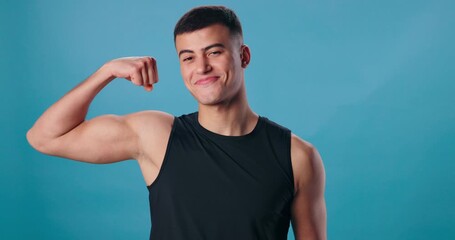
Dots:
(200, 128)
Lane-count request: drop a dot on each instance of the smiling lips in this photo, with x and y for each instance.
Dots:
(207, 80)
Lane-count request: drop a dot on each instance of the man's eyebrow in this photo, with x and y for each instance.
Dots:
(214, 45)
(185, 51)
(204, 49)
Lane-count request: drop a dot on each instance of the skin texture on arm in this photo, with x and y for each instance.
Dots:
(309, 216)
(63, 131)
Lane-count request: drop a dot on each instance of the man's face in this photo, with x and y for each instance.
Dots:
(211, 63)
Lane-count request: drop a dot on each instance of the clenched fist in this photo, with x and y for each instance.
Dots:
(141, 71)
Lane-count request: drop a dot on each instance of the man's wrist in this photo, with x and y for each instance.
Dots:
(105, 73)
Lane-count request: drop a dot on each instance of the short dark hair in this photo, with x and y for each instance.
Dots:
(204, 16)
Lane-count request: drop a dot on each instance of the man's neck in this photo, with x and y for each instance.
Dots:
(230, 119)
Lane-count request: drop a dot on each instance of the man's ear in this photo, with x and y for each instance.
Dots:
(245, 55)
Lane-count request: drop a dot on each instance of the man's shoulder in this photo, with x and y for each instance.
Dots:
(148, 116)
(275, 125)
(301, 146)
(150, 121)
(306, 161)
(152, 129)
(298, 144)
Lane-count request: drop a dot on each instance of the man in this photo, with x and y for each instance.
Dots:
(220, 173)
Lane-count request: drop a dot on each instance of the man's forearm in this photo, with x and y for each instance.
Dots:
(70, 110)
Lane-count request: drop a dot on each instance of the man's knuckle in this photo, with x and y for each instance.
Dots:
(149, 61)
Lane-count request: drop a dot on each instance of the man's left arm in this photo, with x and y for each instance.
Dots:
(309, 216)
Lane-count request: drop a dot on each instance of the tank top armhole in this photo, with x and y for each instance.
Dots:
(163, 164)
(289, 159)
(284, 144)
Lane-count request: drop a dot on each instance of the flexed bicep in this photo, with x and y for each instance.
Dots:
(104, 139)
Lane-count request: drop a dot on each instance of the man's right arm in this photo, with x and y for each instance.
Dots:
(62, 130)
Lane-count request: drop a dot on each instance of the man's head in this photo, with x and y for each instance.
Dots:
(212, 55)
(204, 16)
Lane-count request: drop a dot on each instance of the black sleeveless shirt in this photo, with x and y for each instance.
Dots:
(212, 186)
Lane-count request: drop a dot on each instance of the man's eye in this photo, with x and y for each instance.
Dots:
(215, 53)
(187, 59)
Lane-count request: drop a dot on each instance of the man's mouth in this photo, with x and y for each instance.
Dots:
(206, 80)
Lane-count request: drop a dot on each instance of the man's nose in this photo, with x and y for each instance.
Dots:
(203, 66)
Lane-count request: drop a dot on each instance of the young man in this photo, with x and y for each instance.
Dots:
(220, 173)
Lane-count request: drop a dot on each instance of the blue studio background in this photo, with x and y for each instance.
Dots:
(370, 83)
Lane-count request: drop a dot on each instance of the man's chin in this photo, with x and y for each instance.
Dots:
(208, 101)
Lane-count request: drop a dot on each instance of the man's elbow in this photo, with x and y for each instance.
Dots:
(38, 143)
